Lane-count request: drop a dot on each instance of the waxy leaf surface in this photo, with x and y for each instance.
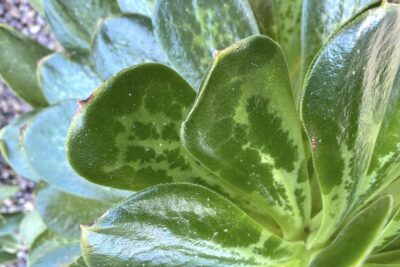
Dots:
(351, 115)
(125, 41)
(143, 7)
(11, 146)
(45, 148)
(190, 31)
(63, 77)
(354, 243)
(244, 128)
(18, 62)
(182, 225)
(73, 22)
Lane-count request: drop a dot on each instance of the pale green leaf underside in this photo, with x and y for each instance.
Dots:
(182, 225)
(12, 149)
(350, 115)
(143, 7)
(190, 31)
(124, 41)
(18, 64)
(63, 77)
(244, 128)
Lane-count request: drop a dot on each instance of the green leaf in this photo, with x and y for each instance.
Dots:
(7, 258)
(244, 128)
(60, 256)
(38, 6)
(143, 7)
(391, 257)
(390, 233)
(190, 31)
(45, 148)
(30, 228)
(354, 243)
(349, 112)
(18, 65)
(64, 77)
(78, 263)
(7, 191)
(73, 22)
(321, 18)
(182, 225)
(125, 41)
(11, 146)
(64, 213)
(9, 244)
(9, 223)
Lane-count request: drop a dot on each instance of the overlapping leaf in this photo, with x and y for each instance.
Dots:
(143, 7)
(390, 233)
(350, 113)
(190, 31)
(182, 225)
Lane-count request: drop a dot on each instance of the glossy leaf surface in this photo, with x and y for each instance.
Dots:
(182, 225)
(46, 135)
(125, 41)
(143, 7)
(190, 31)
(350, 111)
(354, 243)
(63, 77)
(64, 213)
(244, 128)
(73, 22)
(18, 64)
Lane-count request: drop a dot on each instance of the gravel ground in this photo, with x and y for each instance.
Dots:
(20, 15)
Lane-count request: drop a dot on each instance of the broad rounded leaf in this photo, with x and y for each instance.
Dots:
(349, 109)
(182, 225)
(143, 7)
(63, 77)
(30, 228)
(125, 41)
(44, 244)
(64, 213)
(190, 31)
(244, 128)
(45, 148)
(73, 22)
(18, 60)
(354, 243)
(59, 256)
(11, 146)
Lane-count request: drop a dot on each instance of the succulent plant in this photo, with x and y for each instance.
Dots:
(222, 133)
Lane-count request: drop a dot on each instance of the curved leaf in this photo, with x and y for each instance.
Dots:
(60, 256)
(73, 22)
(125, 41)
(30, 228)
(18, 64)
(64, 213)
(190, 31)
(354, 243)
(63, 77)
(182, 225)
(349, 107)
(390, 233)
(244, 128)
(391, 257)
(78, 263)
(45, 148)
(143, 7)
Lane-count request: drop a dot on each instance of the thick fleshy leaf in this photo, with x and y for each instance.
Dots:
(244, 128)
(45, 148)
(30, 228)
(18, 64)
(80, 262)
(183, 225)
(321, 18)
(143, 7)
(349, 107)
(125, 41)
(7, 191)
(390, 257)
(354, 243)
(12, 149)
(390, 233)
(64, 77)
(190, 31)
(73, 22)
(64, 213)
(59, 256)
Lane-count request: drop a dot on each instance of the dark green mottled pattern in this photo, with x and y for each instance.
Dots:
(125, 41)
(191, 31)
(74, 21)
(11, 146)
(354, 243)
(183, 225)
(63, 77)
(143, 7)
(321, 18)
(244, 128)
(347, 94)
(18, 61)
